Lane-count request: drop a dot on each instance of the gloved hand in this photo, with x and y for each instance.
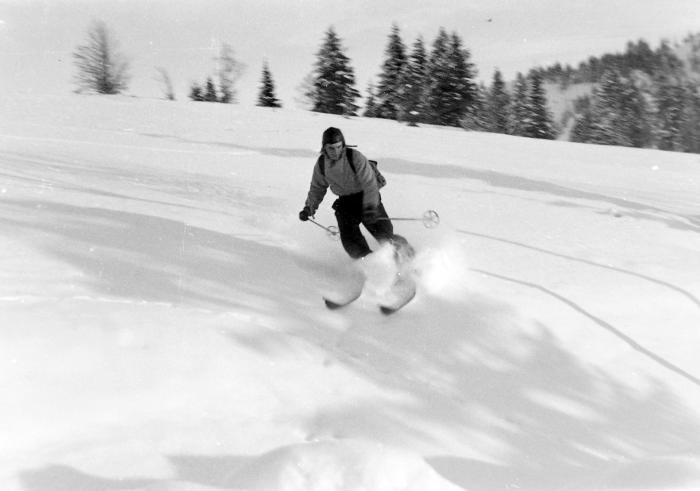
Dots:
(305, 214)
(370, 216)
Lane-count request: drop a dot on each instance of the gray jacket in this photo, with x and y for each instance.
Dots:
(339, 176)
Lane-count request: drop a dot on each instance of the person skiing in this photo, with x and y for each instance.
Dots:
(351, 177)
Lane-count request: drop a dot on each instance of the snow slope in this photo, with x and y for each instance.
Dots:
(161, 325)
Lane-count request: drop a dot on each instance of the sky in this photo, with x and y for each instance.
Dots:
(37, 38)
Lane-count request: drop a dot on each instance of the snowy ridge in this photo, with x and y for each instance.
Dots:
(162, 328)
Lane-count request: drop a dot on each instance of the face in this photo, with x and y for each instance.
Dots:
(333, 150)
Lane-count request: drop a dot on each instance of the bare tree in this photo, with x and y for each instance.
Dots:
(101, 68)
(166, 83)
(229, 71)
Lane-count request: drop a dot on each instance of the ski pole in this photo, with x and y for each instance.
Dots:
(332, 231)
(430, 219)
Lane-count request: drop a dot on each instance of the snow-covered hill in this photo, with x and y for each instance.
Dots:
(161, 326)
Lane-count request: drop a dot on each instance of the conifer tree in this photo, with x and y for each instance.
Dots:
(615, 114)
(520, 115)
(666, 61)
(690, 131)
(581, 131)
(498, 104)
(541, 125)
(604, 111)
(675, 96)
(414, 107)
(634, 114)
(333, 90)
(670, 98)
(266, 97)
(607, 128)
(464, 88)
(478, 117)
(196, 92)
(210, 91)
(451, 89)
(439, 92)
(371, 109)
(390, 90)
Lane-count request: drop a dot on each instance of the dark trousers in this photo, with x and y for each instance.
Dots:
(348, 212)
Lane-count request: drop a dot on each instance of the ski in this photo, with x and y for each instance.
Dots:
(401, 292)
(404, 291)
(340, 299)
(335, 304)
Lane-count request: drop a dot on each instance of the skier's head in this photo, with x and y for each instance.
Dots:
(333, 143)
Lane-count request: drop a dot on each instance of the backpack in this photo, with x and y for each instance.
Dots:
(381, 180)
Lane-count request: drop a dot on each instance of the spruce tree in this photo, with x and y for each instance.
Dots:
(676, 96)
(520, 115)
(669, 97)
(210, 91)
(478, 116)
(333, 89)
(498, 104)
(266, 97)
(439, 89)
(634, 115)
(541, 125)
(390, 90)
(581, 131)
(413, 106)
(606, 127)
(371, 108)
(692, 41)
(615, 114)
(641, 56)
(666, 61)
(464, 88)
(451, 88)
(690, 131)
(196, 92)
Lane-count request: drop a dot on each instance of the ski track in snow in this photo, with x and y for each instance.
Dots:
(549, 347)
(128, 146)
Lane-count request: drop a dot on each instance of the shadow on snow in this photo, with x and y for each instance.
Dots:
(466, 368)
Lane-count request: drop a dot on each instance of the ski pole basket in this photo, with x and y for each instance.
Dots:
(430, 219)
(331, 230)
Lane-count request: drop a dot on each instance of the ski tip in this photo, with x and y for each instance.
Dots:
(387, 310)
(332, 305)
(392, 309)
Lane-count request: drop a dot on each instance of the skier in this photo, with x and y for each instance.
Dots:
(351, 177)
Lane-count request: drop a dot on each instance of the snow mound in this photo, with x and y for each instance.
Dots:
(345, 465)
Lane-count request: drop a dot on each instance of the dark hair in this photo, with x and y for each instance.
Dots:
(332, 135)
